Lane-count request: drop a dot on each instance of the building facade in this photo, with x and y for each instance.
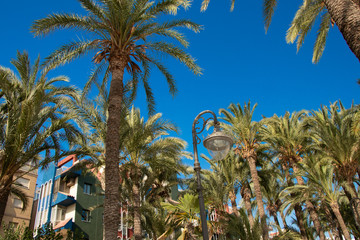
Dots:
(14, 215)
(70, 200)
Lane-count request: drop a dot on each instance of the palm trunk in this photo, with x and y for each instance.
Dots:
(315, 218)
(257, 188)
(355, 205)
(246, 195)
(137, 214)
(112, 144)
(313, 214)
(300, 220)
(232, 196)
(4, 195)
(333, 224)
(346, 14)
(335, 208)
(297, 209)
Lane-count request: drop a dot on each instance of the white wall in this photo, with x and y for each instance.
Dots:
(73, 189)
(70, 212)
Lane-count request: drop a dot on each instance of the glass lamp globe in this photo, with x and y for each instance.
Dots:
(218, 144)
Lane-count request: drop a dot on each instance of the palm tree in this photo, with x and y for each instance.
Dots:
(124, 37)
(215, 192)
(272, 185)
(238, 227)
(320, 175)
(156, 179)
(144, 148)
(344, 13)
(33, 122)
(245, 131)
(183, 215)
(289, 140)
(227, 171)
(333, 136)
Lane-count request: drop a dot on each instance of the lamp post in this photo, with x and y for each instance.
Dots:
(218, 145)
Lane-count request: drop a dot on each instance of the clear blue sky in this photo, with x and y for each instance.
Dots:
(240, 61)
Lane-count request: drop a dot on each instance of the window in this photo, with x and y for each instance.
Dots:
(18, 203)
(87, 188)
(85, 215)
(24, 182)
(61, 213)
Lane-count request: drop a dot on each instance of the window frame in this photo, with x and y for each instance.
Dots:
(87, 217)
(87, 188)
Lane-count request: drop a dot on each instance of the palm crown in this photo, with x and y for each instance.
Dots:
(123, 30)
(33, 122)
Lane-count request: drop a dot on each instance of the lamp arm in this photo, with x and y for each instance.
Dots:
(197, 130)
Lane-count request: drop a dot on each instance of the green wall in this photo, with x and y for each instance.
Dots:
(93, 230)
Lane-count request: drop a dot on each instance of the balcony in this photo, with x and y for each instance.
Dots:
(63, 199)
(65, 224)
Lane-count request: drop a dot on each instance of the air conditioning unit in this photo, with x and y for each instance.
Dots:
(70, 182)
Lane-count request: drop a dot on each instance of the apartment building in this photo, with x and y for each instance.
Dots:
(69, 199)
(13, 213)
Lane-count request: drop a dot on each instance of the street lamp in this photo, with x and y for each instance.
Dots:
(218, 145)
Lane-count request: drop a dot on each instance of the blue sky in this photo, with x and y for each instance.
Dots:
(240, 61)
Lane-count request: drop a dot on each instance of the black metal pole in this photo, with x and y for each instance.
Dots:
(197, 168)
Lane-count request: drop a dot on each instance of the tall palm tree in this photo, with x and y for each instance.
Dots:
(289, 140)
(123, 34)
(33, 122)
(215, 192)
(272, 185)
(138, 137)
(227, 171)
(245, 189)
(245, 131)
(145, 147)
(333, 136)
(320, 175)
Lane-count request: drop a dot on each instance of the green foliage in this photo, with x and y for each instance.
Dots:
(15, 233)
(124, 30)
(33, 121)
(241, 126)
(47, 233)
(184, 216)
(24, 233)
(303, 22)
(75, 235)
(238, 227)
(309, 13)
